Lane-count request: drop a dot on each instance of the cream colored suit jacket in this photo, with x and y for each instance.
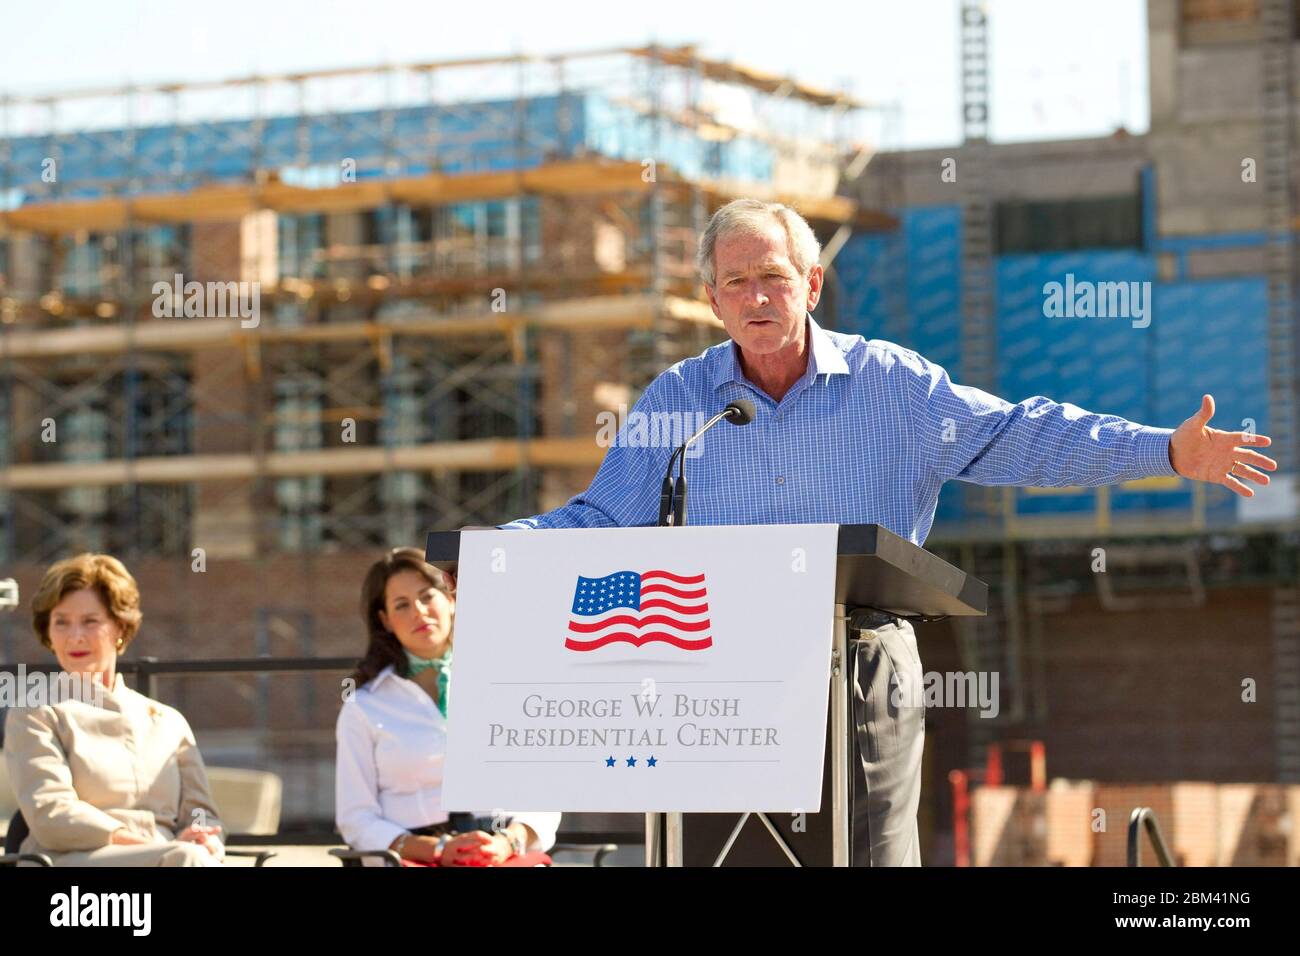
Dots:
(81, 770)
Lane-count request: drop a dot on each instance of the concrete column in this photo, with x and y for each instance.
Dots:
(1163, 26)
(224, 520)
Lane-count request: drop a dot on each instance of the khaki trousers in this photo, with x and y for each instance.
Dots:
(890, 741)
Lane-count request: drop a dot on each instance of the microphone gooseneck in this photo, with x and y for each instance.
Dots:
(672, 495)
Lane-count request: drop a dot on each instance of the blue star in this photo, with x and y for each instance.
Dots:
(609, 762)
(631, 761)
(651, 762)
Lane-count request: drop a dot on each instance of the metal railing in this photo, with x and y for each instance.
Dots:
(146, 669)
(1146, 816)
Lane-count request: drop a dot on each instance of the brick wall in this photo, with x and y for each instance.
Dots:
(1012, 827)
(1069, 809)
(1204, 824)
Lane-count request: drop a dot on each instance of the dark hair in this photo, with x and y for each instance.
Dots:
(384, 649)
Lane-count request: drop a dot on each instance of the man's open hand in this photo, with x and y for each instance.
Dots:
(1203, 453)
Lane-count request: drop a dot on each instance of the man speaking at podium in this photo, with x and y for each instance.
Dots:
(849, 431)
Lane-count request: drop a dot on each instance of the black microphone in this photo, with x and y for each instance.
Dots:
(672, 497)
(740, 412)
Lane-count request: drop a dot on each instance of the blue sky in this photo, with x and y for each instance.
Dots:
(1060, 69)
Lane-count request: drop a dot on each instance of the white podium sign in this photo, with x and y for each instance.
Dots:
(641, 669)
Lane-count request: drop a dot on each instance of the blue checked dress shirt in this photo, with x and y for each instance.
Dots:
(867, 436)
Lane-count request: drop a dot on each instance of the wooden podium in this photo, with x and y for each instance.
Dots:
(875, 569)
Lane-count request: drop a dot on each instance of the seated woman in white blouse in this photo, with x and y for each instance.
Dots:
(392, 731)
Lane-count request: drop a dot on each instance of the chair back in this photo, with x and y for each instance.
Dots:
(247, 800)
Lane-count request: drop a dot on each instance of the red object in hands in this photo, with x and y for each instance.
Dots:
(524, 859)
(535, 858)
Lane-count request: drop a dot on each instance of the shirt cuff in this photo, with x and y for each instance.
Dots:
(376, 835)
(1151, 452)
(544, 827)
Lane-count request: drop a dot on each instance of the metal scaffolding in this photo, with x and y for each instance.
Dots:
(458, 265)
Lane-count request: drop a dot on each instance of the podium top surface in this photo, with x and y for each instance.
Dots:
(875, 568)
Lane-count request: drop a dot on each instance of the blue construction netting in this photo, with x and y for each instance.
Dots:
(1205, 335)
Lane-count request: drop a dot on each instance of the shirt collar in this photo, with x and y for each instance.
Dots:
(401, 685)
(387, 674)
(84, 686)
(824, 357)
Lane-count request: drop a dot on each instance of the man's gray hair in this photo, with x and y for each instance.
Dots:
(755, 216)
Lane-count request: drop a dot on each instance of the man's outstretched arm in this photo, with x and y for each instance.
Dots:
(970, 435)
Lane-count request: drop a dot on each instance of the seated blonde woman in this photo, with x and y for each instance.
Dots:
(392, 733)
(104, 776)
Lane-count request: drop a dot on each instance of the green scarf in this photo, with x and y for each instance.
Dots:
(443, 664)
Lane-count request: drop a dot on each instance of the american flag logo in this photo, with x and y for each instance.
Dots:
(679, 613)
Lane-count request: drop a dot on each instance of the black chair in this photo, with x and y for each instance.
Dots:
(14, 838)
(18, 831)
(351, 857)
(598, 851)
